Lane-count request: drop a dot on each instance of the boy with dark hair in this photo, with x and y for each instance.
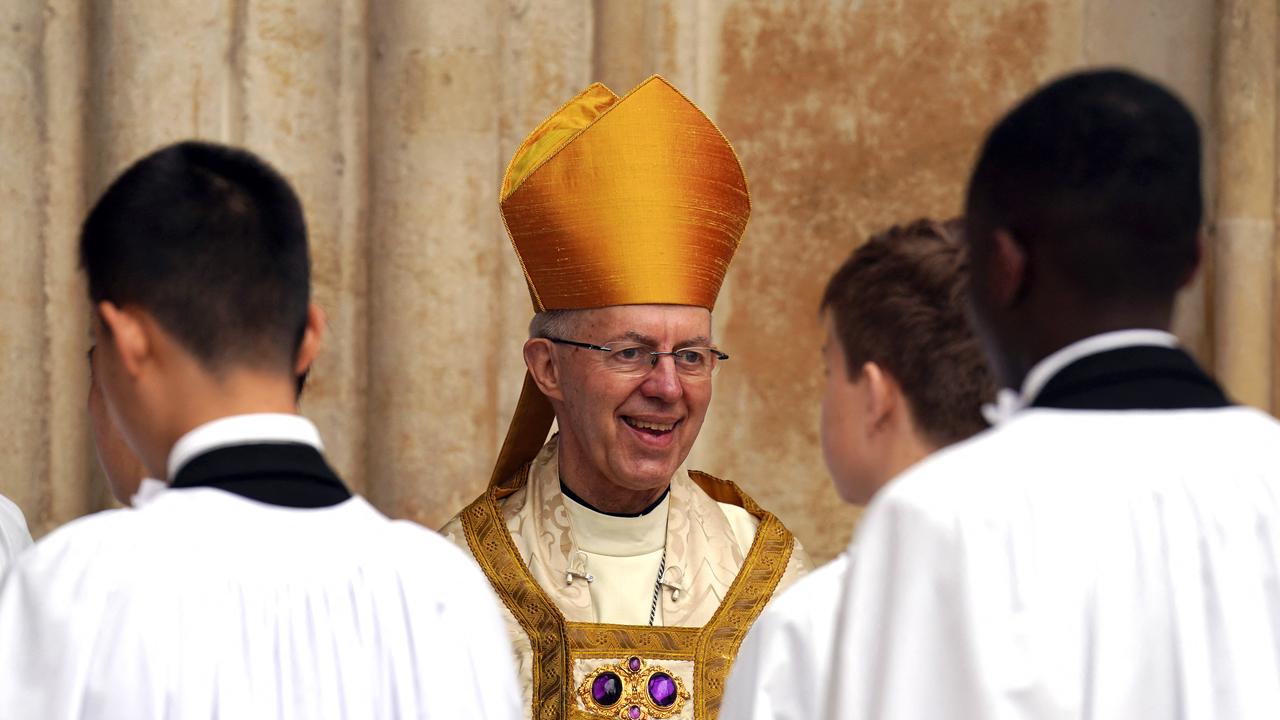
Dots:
(904, 378)
(250, 582)
(1110, 548)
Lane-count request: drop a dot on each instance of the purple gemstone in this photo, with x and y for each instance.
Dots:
(634, 712)
(606, 689)
(634, 664)
(662, 688)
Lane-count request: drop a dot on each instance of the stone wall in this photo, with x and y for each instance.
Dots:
(395, 118)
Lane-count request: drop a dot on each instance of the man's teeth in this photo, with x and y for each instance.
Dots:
(642, 425)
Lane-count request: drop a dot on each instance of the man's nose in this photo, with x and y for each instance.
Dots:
(663, 381)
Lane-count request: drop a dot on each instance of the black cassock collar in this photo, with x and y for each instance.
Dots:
(1140, 377)
(286, 474)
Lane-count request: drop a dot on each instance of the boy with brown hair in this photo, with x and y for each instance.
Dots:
(904, 377)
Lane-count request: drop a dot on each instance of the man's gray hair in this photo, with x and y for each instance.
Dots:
(554, 323)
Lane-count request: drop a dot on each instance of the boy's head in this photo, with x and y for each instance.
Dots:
(199, 276)
(905, 375)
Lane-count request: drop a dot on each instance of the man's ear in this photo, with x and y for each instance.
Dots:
(309, 348)
(1008, 275)
(128, 334)
(541, 361)
(882, 395)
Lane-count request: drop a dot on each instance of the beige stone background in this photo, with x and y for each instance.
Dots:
(395, 118)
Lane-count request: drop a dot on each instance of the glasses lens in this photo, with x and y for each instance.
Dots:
(636, 359)
(631, 359)
(696, 361)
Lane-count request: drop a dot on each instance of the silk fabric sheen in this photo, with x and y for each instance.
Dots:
(644, 203)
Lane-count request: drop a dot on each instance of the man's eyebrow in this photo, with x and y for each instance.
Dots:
(637, 337)
(699, 341)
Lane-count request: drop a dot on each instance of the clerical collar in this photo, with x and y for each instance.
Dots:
(251, 429)
(617, 535)
(1044, 370)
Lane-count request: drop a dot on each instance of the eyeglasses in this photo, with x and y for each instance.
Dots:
(637, 359)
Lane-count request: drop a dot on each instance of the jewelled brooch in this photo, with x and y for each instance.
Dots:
(633, 690)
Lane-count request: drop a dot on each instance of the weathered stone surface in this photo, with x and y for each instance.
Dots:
(396, 119)
(849, 118)
(1244, 226)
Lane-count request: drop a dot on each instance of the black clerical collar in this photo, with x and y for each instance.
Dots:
(1140, 377)
(574, 497)
(285, 474)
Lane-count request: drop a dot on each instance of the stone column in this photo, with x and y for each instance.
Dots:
(301, 79)
(636, 39)
(433, 247)
(1168, 41)
(160, 72)
(1244, 229)
(44, 459)
(546, 59)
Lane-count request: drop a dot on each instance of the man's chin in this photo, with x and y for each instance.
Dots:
(649, 477)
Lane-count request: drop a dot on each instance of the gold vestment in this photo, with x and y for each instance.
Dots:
(518, 531)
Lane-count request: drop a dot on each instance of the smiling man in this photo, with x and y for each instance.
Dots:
(628, 581)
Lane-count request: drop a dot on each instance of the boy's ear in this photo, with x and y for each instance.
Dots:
(883, 395)
(309, 348)
(127, 335)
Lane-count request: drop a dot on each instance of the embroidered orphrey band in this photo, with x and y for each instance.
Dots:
(555, 642)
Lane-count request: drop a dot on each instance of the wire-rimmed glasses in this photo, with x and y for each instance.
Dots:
(637, 359)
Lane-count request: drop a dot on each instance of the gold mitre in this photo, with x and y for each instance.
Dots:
(618, 201)
(625, 201)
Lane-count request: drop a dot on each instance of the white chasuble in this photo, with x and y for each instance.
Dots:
(578, 590)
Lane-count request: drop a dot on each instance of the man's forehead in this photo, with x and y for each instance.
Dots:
(645, 322)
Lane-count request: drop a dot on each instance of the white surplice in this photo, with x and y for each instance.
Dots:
(1068, 564)
(781, 669)
(14, 535)
(198, 603)
(1071, 564)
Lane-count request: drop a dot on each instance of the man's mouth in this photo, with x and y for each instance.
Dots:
(650, 427)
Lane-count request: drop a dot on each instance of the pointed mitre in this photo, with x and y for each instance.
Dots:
(619, 201)
(625, 201)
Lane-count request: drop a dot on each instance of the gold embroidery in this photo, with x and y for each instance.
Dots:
(493, 549)
(634, 701)
(555, 642)
(596, 640)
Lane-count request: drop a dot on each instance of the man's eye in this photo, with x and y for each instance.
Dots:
(629, 354)
(691, 358)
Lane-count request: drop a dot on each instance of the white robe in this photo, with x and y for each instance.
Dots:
(781, 668)
(198, 603)
(14, 535)
(1071, 564)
